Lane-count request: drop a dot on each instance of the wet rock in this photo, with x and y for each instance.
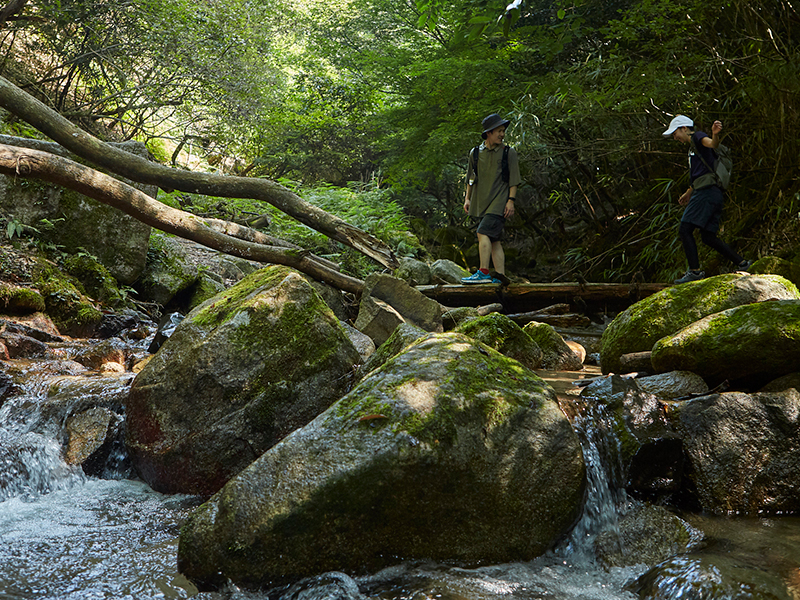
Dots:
(636, 420)
(37, 326)
(744, 450)
(673, 384)
(645, 534)
(239, 373)
(22, 346)
(166, 327)
(639, 327)
(504, 335)
(113, 324)
(723, 346)
(95, 356)
(86, 432)
(451, 452)
(328, 586)
(693, 576)
(556, 353)
(447, 272)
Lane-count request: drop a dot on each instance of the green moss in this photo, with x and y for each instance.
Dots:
(95, 278)
(644, 323)
(238, 297)
(478, 379)
(20, 299)
(64, 301)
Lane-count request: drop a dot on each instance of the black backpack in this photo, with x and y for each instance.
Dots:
(503, 164)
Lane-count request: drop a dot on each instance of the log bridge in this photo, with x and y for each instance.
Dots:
(584, 298)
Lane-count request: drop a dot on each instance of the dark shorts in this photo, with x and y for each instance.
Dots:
(705, 208)
(492, 227)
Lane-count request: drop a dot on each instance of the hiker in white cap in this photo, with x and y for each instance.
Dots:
(492, 180)
(703, 199)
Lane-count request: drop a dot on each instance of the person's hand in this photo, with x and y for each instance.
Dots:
(716, 127)
(466, 205)
(684, 199)
(508, 212)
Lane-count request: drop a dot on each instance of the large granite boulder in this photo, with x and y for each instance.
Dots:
(69, 219)
(505, 336)
(450, 451)
(169, 270)
(644, 323)
(239, 373)
(750, 344)
(744, 450)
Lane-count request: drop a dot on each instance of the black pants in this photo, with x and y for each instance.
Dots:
(709, 238)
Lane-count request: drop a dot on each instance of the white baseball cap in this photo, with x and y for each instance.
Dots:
(679, 121)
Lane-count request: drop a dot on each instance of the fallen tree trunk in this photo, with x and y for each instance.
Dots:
(138, 169)
(227, 227)
(21, 162)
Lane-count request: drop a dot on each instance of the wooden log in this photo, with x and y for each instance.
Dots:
(544, 291)
(490, 308)
(569, 320)
(636, 361)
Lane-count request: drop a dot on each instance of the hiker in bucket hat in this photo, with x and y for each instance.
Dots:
(703, 202)
(492, 181)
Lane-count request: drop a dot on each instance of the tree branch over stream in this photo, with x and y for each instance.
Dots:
(23, 162)
(138, 169)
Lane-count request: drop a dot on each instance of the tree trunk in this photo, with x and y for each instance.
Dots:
(138, 169)
(21, 162)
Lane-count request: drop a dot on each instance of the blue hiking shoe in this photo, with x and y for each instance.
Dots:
(745, 266)
(479, 277)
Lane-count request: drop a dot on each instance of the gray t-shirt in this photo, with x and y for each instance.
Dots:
(490, 192)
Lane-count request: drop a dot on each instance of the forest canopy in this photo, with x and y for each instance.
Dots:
(389, 95)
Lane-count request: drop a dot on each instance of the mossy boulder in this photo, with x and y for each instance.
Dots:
(743, 450)
(96, 279)
(451, 451)
(16, 299)
(72, 312)
(777, 266)
(239, 373)
(556, 353)
(749, 344)
(641, 325)
(504, 335)
(169, 271)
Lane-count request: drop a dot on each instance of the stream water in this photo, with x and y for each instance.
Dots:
(65, 535)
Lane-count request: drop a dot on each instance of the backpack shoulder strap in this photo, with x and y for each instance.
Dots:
(700, 156)
(504, 165)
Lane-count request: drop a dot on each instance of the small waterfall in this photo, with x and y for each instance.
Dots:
(606, 499)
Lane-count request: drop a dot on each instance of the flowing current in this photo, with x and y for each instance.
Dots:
(66, 535)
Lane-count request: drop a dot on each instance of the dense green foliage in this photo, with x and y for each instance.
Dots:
(392, 93)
